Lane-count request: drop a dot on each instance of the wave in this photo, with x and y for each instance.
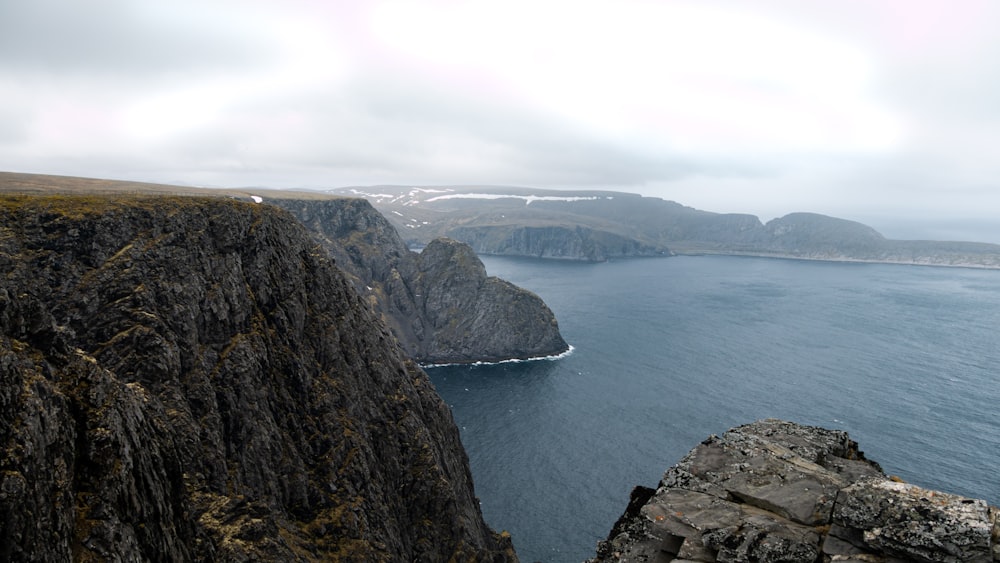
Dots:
(551, 358)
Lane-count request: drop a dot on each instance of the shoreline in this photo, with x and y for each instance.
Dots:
(551, 358)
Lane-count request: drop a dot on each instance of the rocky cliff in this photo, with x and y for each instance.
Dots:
(192, 379)
(559, 242)
(462, 309)
(439, 303)
(369, 250)
(774, 491)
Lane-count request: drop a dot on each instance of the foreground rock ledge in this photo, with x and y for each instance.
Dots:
(776, 491)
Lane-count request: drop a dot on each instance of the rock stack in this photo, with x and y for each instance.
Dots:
(775, 491)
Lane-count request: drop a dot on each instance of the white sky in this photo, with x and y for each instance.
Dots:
(885, 111)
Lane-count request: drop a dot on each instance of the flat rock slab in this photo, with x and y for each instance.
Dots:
(911, 522)
(699, 526)
(775, 491)
(791, 470)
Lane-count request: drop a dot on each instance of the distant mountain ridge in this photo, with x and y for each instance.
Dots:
(602, 225)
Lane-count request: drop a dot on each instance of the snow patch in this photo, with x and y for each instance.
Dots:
(415, 191)
(367, 194)
(527, 198)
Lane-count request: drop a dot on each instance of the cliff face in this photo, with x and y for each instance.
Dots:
(439, 303)
(191, 379)
(774, 491)
(465, 310)
(567, 243)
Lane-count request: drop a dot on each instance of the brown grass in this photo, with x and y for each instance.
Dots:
(37, 184)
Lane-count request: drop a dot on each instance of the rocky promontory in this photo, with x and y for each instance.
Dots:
(439, 302)
(192, 379)
(464, 309)
(775, 491)
(508, 322)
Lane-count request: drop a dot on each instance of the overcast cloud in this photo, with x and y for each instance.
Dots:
(882, 111)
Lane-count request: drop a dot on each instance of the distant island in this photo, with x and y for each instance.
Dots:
(602, 225)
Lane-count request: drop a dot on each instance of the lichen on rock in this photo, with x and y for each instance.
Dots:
(775, 491)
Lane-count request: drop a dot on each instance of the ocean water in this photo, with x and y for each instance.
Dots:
(669, 351)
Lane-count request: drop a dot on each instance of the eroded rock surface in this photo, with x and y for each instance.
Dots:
(775, 491)
(187, 379)
(439, 303)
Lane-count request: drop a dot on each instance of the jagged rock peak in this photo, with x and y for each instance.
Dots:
(775, 491)
(191, 379)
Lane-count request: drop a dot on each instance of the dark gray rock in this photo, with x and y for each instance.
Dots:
(191, 379)
(775, 491)
(472, 315)
(439, 303)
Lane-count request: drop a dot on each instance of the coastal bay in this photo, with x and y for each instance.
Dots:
(668, 351)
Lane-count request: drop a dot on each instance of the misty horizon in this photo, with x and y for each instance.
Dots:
(883, 114)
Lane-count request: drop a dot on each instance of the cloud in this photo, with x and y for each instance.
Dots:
(680, 75)
(124, 37)
(367, 134)
(776, 106)
(13, 125)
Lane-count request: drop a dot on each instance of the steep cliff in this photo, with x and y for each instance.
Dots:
(775, 491)
(439, 303)
(465, 310)
(192, 379)
(561, 242)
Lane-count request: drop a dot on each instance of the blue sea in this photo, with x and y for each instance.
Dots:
(668, 351)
